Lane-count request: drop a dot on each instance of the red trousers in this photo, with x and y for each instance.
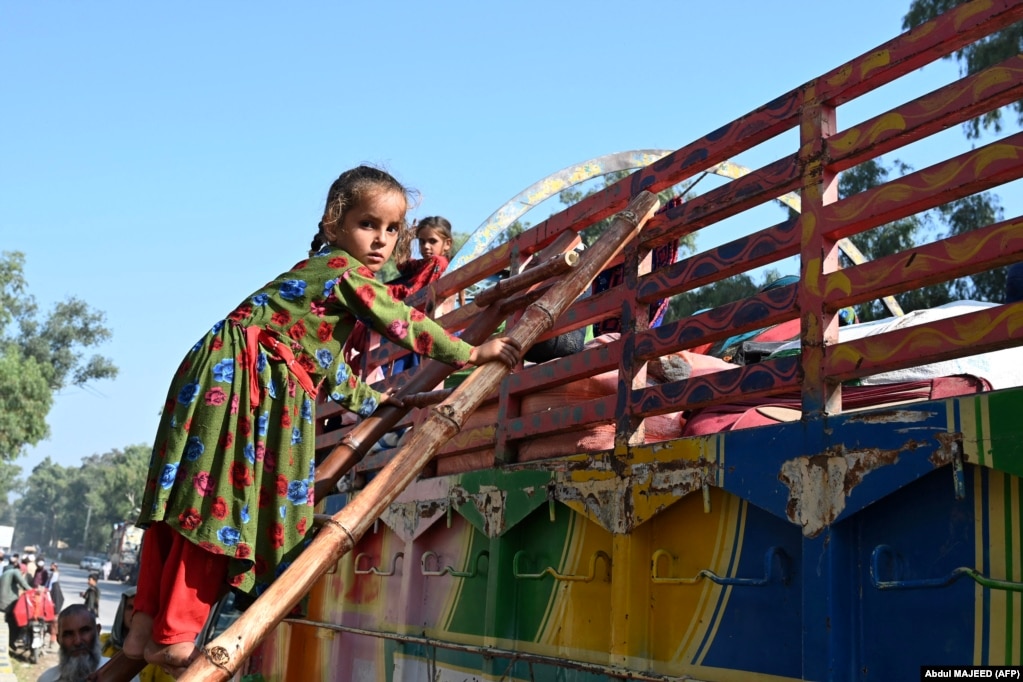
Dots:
(179, 583)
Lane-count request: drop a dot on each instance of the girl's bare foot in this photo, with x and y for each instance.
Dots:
(174, 658)
(138, 636)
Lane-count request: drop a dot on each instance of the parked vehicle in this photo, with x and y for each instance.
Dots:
(91, 563)
(37, 635)
(125, 545)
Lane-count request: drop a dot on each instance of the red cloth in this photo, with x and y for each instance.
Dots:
(415, 275)
(179, 582)
(33, 605)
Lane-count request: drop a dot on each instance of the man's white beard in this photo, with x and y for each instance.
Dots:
(77, 668)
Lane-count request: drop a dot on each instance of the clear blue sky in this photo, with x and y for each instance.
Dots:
(162, 160)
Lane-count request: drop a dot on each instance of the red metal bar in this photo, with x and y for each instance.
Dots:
(948, 106)
(979, 332)
(966, 174)
(989, 247)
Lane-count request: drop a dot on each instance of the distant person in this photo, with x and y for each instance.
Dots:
(42, 576)
(91, 595)
(12, 583)
(53, 585)
(435, 240)
(79, 646)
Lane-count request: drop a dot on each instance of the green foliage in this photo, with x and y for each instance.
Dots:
(40, 355)
(72, 504)
(717, 294)
(975, 57)
(956, 217)
(25, 400)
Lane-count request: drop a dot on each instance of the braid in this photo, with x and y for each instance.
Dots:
(318, 240)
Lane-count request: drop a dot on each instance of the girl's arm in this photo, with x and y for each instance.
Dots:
(372, 302)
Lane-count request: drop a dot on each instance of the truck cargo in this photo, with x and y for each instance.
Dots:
(123, 551)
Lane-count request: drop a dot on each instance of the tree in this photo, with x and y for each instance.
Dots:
(717, 294)
(107, 487)
(956, 217)
(986, 52)
(40, 355)
(45, 507)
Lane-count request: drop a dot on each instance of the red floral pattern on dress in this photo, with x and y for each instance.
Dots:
(241, 475)
(242, 551)
(215, 396)
(300, 526)
(338, 262)
(219, 508)
(306, 363)
(366, 295)
(424, 344)
(204, 483)
(240, 313)
(297, 330)
(325, 331)
(281, 318)
(217, 344)
(398, 329)
(276, 534)
(190, 519)
(227, 440)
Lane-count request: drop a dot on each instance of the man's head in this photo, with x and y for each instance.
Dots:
(78, 635)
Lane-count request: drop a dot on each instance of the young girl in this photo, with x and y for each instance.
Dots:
(434, 237)
(229, 497)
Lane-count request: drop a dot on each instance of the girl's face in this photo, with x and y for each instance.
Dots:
(370, 228)
(433, 243)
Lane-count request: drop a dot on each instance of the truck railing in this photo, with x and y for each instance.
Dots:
(820, 152)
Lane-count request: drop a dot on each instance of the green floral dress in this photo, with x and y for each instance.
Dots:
(233, 462)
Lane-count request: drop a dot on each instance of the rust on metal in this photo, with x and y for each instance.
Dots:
(819, 484)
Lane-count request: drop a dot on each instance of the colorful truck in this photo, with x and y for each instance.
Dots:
(123, 551)
(644, 510)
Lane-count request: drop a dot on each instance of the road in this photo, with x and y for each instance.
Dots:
(73, 582)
